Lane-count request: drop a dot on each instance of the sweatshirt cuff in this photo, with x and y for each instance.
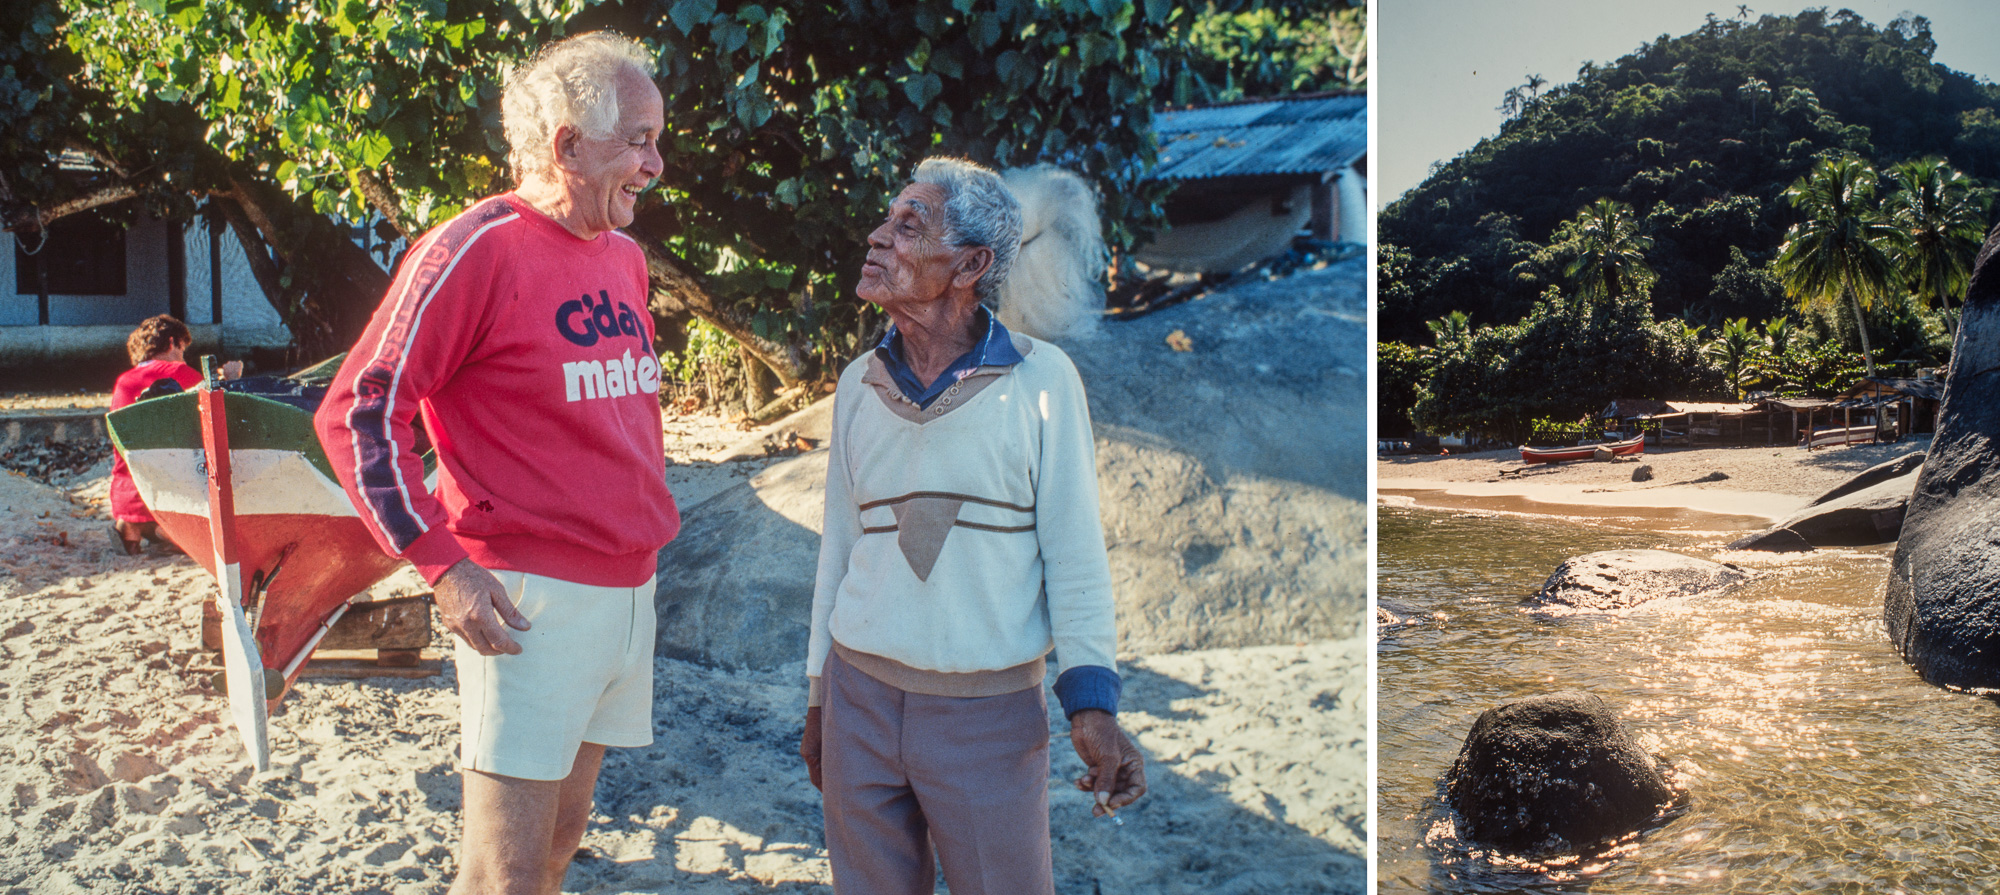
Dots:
(434, 552)
(815, 693)
(1088, 687)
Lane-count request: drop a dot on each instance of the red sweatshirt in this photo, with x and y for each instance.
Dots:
(125, 503)
(530, 354)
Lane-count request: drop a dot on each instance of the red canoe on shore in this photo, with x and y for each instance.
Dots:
(1583, 452)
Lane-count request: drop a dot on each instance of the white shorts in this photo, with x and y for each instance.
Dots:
(584, 675)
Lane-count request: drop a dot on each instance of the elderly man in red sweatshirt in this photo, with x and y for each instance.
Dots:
(519, 331)
(961, 546)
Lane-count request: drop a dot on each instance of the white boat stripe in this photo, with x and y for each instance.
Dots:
(265, 482)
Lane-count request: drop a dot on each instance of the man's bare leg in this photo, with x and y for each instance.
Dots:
(520, 834)
(573, 813)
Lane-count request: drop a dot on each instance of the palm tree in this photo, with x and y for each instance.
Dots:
(1450, 328)
(1733, 351)
(1611, 257)
(1943, 218)
(1840, 253)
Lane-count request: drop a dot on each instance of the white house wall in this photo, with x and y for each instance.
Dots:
(145, 287)
(93, 325)
(248, 320)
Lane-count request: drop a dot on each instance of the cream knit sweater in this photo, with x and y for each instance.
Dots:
(964, 538)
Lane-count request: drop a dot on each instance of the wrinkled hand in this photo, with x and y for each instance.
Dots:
(476, 608)
(809, 745)
(1116, 772)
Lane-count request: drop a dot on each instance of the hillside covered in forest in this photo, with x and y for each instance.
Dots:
(1681, 154)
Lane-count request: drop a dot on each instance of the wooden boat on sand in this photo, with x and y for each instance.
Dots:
(1583, 452)
(240, 482)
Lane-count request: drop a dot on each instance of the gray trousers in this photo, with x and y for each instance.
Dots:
(903, 771)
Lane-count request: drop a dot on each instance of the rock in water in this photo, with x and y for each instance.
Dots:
(1621, 579)
(1552, 773)
(1939, 605)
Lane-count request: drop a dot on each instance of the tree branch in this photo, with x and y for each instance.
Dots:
(377, 193)
(28, 218)
(677, 288)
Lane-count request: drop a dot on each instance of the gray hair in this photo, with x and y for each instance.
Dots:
(572, 82)
(979, 210)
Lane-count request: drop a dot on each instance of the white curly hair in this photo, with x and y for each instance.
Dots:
(574, 82)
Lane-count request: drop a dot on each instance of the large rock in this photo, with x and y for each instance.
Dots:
(1939, 606)
(1621, 579)
(1554, 773)
(735, 586)
(1873, 514)
(1231, 479)
(1874, 475)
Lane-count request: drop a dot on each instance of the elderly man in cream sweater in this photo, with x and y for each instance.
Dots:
(961, 546)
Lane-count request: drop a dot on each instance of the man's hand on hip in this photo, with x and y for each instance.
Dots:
(1116, 772)
(476, 608)
(809, 745)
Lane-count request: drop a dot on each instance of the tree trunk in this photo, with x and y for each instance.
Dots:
(326, 286)
(1861, 325)
(756, 383)
(678, 288)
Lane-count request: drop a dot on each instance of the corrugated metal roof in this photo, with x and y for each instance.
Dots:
(1928, 389)
(1292, 136)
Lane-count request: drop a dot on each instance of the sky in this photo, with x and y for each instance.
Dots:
(1443, 65)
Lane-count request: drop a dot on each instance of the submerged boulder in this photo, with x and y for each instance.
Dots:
(1939, 605)
(1621, 579)
(1554, 772)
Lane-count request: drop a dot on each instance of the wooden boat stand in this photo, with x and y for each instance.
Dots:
(381, 638)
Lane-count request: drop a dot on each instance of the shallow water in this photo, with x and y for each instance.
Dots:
(1814, 759)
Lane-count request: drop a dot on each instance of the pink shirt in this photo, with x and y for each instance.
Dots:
(529, 353)
(125, 503)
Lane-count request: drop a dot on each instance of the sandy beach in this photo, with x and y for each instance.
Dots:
(127, 777)
(1764, 482)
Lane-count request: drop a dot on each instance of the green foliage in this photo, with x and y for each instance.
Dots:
(1547, 432)
(1699, 134)
(791, 125)
(1841, 253)
(708, 349)
(1305, 47)
(1609, 254)
(1733, 352)
(1568, 358)
(1399, 371)
(1942, 218)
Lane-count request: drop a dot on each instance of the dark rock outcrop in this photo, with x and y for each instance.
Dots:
(1773, 540)
(1940, 607)
(1874, 475)
(1621, 579)
(1871, 515)
(1553, 773)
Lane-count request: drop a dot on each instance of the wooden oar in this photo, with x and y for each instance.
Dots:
(242, 668)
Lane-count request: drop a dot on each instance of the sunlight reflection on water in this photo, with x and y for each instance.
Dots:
(1814, 759)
